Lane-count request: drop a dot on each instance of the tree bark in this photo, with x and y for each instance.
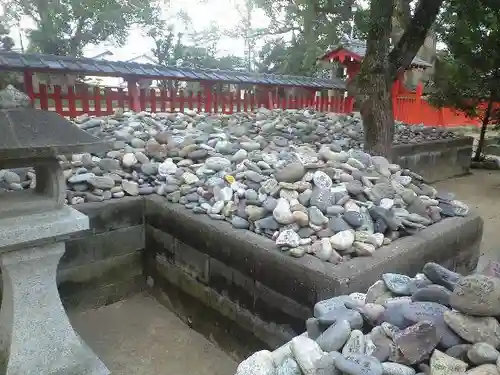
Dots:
(372, 86)
(484, 126)
(380, 68)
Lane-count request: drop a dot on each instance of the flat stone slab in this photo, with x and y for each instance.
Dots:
(22, 231)
(33, 133)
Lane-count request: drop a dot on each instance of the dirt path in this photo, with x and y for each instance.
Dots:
(481, 191)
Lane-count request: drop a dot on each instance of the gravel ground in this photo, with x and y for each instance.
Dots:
(481, 191)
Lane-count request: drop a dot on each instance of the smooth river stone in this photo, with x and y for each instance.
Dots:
(326, 364)
(322, 198)
(417, 341)
(355, 344)
(322, 180)
(482, 353)
(282, 213)
(335, 336)
(441, 275)
(393, 314)
(290, 173)
(391, 368)
(378, 293)
(484, 370)
(442, 364)
(434, 312)
(358, 364)
(433, 293)
(342, 240)
(397, 283)
(459, 351)
(306, 352)
(323, 307)
(474, 329)
(477, 295)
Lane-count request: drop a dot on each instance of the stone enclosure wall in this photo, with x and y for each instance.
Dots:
(436, 160)
(104, 264)
(199, 267)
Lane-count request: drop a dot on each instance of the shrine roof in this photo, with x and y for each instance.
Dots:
(71, 65)
(356, 49)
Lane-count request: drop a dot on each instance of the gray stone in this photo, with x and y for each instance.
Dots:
(335, 336)
(440, 275)
(482, 353)
(474, 329)
(477, 295)
(397, 283)
(397, 369)
(356, 364)
(306, 352)
(442, 364)
(417, 341)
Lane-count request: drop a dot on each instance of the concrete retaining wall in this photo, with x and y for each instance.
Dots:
(436, 160)
(104, 264)
(245, 278)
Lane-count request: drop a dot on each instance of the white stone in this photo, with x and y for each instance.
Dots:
(350, 205)
(355, 344)
(190, 178)
(306, 352)
(167, 167)
(386, 203)
(129, 160)
(378, 239)
(342, 240)
(324, 252)
(288, 238)
(260, 363)
(282, 213)
(322, 180)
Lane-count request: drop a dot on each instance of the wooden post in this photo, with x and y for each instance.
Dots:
(133, 95)
(418, 102)
(28, 84)
(394, 95)
(207, 93)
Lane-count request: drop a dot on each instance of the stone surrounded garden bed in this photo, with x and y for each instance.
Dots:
(237, 274)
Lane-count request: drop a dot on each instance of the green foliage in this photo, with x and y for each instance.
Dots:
(6, 44)
(65, 27)
(469, 72)
(468, 76)
(303, 30)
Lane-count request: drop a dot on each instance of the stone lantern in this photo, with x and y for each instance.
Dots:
(36, 336)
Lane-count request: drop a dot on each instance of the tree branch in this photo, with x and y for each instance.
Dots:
(414, 36)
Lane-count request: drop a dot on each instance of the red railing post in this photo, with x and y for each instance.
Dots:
(207, 95)
(134, 103)
(28, 84)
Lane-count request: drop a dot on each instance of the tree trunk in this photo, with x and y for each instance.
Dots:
(378, 118)
(486, 120)
(374, 80)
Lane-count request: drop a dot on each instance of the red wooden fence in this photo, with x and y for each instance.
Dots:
(411, 108)
(104, 101)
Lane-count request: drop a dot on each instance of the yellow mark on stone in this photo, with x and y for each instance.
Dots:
(230, 179)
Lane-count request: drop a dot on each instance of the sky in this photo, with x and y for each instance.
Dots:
(202, 14)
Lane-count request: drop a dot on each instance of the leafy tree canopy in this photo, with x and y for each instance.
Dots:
(65, 27)
(468, 75)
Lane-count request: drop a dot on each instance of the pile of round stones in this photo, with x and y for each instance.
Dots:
(437, 323)
(296, 176)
